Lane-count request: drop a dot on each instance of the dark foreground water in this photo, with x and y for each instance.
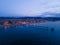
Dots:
(34, 34)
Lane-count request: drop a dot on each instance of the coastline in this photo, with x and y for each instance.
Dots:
(8, 23)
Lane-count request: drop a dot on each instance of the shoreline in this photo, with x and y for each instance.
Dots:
(7, 23)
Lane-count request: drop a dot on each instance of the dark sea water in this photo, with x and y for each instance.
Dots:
(31, 34)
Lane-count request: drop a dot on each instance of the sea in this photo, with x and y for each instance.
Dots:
(46, 33)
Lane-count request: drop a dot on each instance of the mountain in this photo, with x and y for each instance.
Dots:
(46, 14)
(11, 15)
(50, 14)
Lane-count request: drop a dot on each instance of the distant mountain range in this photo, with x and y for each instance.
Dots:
(46, 14)
(50, 14)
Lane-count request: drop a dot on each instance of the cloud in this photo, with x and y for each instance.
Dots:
(29, 8)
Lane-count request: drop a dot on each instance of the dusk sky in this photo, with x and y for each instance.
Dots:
(29, 7)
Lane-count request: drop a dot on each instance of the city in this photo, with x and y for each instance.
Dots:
(26, 20)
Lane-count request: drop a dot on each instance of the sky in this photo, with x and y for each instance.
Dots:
(29, 7)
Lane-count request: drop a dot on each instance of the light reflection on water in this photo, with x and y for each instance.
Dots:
(26, 26)
(23, 35)
(32, 34)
